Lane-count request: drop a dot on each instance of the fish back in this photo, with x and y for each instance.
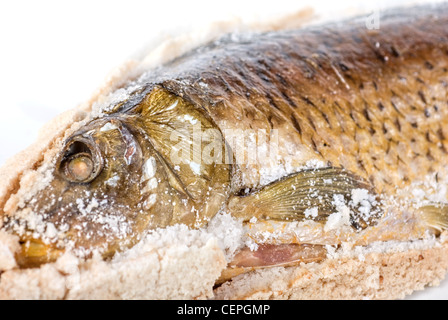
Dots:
(371, 101)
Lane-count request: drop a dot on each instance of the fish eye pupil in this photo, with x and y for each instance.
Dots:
(81, 161)
(79, 167)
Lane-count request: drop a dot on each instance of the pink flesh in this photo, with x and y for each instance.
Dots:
(278, 254)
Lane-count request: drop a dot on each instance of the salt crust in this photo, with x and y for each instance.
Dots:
(8, 245)
(147, 271)
(165, 257)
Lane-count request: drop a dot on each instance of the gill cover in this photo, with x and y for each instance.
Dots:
(190, 149)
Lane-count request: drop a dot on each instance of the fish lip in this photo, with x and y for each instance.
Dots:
(34, 252)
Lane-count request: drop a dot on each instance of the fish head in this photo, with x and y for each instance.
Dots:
(92, 200)
(112, 182)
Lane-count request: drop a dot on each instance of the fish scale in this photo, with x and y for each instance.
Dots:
(329, 92)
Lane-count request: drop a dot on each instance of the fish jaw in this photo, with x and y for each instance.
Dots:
(44, 237)
(34, 252)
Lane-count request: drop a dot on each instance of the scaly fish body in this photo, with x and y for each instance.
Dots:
(337, 120)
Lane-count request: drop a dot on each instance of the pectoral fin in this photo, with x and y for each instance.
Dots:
(311, 194)
(435, 216)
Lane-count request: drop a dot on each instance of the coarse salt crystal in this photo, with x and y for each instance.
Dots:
(108, 127)
(149, 168)
(311, 212)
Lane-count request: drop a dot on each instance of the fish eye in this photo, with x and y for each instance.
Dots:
(79, 167)
(80, 162)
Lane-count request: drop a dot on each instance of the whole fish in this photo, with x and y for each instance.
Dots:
(311, 137)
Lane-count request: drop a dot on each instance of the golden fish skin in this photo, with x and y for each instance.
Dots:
(371, 103)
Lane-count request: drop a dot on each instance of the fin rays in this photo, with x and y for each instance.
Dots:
(290, 197)
(435, 216)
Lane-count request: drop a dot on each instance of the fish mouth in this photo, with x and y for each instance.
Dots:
(33, 253)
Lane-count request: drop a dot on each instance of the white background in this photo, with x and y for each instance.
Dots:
(54, 54)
